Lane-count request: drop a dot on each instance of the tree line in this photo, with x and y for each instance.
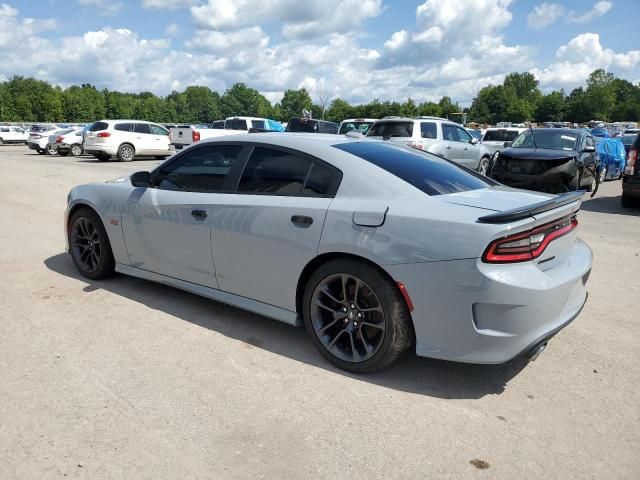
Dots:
(517, 99)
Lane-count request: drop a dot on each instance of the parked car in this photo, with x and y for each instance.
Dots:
(52, 139)
(70, 143)
(311, 125)
(47, 127)
(612, 158)
(551, 160)
(627, 141)
(184, 135)
(434, 135)
(39, 138)
(377, 247)
(494, 139)
(11, 134)
(361, 125)
(477, 134)
(126, 139)
(218, 125)
(631, 177)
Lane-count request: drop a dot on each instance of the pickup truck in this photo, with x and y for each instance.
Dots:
(184, 135)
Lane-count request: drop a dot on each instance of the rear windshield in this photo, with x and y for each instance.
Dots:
(363, 127)
(236, 124)
(433, 175)
(98, 126)
(391, 129)
(500, 135)
(302, 125)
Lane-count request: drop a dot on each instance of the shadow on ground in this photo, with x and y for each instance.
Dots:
(609, 205)
(411, 374)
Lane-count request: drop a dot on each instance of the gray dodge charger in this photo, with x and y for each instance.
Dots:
(375, 247)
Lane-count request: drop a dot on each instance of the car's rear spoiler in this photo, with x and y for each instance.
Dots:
(531, 210)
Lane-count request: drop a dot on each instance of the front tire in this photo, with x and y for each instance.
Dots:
(75, 150)
(89, 245)
(483, 167)
(126, 153)
(603, 174)
(356, 316)
(51, 150)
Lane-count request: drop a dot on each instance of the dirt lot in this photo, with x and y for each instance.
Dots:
(127, 379)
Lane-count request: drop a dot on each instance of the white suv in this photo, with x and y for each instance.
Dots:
(11, 134)
(126, 139)
(435, 135)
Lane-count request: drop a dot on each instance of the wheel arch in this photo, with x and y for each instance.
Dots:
(316, 262)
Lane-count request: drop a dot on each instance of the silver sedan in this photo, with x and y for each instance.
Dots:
(375, 247)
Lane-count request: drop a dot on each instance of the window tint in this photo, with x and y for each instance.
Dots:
(391, 129)
(124, 127)
(157, 130)
(258, 124)
(235, 124)
(430, 174)
(201, 169)
(322, 180)
(463, 135)
(328, 127)
(449, 133)
(274, 171)
(4, 129)
(99, 126)
(302, 125)
(428, 130)
(141, 128)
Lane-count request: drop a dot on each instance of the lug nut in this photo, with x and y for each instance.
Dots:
(359, 315)
(353, 306)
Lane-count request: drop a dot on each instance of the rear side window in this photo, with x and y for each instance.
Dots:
(141, 128)
(202, 169)
(278, 172)
(258, 124)
(391, 129)
(124, 127)
(428, 130)
(99, 126)
(428, 173)
(3, 129)
(236, 124)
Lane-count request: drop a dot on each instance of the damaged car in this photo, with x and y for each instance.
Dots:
(552, 160)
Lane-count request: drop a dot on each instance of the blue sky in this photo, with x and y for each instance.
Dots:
(353, 49)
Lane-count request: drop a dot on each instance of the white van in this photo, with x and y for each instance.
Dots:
(126, 139)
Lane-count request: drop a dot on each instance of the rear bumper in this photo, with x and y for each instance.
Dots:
(100, 149)
(34, 146)
(472, 312)
(631, 186)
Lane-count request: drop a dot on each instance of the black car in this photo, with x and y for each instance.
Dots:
(309, 125)
(631, 177)
(553, 160)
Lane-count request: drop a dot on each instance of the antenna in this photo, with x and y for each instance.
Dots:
(533, 136)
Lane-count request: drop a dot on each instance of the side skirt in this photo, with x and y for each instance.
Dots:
(244, 303)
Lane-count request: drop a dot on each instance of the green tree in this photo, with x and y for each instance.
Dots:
(550, 107)
(293, 102)
(600, 94)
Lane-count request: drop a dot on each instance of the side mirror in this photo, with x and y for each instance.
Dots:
(473, 141)
(589, 149)
(506, 144)
(141, 179)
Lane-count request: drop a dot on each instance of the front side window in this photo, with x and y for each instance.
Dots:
(202, 169)
(157, 130)
(463, 135)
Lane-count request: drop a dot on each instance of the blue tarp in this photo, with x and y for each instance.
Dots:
(612, 156)
(274, 125)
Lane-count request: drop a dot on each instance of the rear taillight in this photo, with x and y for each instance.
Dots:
(59, 140)
(632, 160)
(418, 145)
(523, 247)
(103, 135)
(195, 136)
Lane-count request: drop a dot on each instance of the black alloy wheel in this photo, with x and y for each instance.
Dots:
(89, 244)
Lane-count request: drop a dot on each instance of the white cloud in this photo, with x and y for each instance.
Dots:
(229, 43)
(598, 10)
(102, 6)
(578, 58)
(172, 29)
(544, 15)
(298, 18)
(167, 4)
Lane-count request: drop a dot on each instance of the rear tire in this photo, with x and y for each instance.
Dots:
(363, 324)
(1, 141)
(126, 152)
(89, 245)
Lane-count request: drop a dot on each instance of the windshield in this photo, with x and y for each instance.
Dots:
(391, 129)
(500, 135)
(546, 139)
(235, 124)
(363, 127)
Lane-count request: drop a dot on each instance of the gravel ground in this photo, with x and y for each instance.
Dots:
(127, 379)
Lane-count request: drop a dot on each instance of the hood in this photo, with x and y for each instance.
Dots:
(496, 199)
(537, 153)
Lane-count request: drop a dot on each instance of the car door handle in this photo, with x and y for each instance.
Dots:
(448, 147)
(199, 214)
(301, 220)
